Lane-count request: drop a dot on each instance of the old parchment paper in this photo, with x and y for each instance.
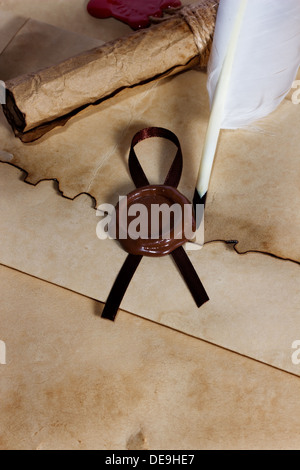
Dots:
(69, 15)
(74, 382)
(256, 171)
(254, 306)
(253, 294)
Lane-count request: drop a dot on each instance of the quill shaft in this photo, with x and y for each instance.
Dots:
(218, 105)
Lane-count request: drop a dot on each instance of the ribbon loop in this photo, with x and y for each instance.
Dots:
(137, 173)
(165, 246)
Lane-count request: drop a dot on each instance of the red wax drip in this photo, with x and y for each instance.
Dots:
(135, 13)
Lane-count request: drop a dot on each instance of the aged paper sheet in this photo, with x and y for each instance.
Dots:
(255, 298)
(254, 306)
(256, 171)
(75, 382)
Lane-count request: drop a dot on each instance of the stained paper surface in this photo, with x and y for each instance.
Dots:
(256, 171)
(254, 306)
(70, 15)
(73, 381)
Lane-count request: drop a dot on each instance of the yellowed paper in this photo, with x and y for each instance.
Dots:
(254, 306)
(90, 155)
(100, 72)
(26, 44)
(10, 25)
(70, 15)
(36, 100)
(75, 382)
(256, 172)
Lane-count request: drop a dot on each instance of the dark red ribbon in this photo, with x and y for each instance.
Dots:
(179, 255)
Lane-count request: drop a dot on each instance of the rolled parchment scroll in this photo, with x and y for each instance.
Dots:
(38, 102)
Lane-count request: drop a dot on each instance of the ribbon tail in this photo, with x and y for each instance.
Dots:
(190, 276)
(120, 287)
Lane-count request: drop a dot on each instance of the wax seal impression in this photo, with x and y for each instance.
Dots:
(151, 235)
(135, 13)
(157, 237)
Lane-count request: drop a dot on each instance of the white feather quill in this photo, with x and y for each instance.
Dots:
(254, 61)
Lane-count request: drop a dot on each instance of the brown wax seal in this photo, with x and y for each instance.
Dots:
(157, 237)
(142, 229)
